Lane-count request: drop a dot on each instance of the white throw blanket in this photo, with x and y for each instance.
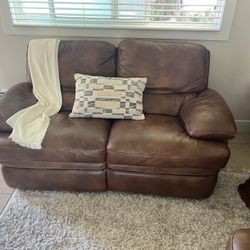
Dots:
(30, 124)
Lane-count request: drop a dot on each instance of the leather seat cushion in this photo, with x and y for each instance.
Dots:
(159, 144)
(68, 140)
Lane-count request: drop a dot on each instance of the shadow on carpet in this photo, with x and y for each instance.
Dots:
(60, 220)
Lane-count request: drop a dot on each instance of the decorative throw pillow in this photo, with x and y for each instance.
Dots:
(108, 97)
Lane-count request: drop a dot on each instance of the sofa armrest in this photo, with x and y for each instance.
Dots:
(16, 98)
(208, 116)
(4, 127)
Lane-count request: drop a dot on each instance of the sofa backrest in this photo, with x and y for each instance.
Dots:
(168, 104)
(170, 67)
(176, 72)
(86, 57)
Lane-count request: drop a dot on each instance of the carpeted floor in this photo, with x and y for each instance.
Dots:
(58, 220)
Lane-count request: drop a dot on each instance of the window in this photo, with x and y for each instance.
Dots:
(127, 14)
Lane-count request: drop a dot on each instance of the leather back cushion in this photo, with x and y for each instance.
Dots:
(170, 67)
(167, 104)
(173, 69)
(85, 57)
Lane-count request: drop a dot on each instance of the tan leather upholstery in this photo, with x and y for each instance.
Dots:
(177, 150)
(152, 103)
(168, 104)
(170, 67)
(208, 116)
(66, 140)
(183, 186)
(159, 144)
(87, 57)
(73, 157)
(240, 240)
(3, 125)
(18, 97)
(52, 179)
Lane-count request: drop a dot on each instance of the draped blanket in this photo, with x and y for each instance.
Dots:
(30, 124)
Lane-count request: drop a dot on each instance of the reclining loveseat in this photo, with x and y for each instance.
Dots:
(177, 150)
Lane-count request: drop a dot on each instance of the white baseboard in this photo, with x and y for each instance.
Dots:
(243, 126)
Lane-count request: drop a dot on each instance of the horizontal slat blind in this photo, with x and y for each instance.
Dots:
(137, 14)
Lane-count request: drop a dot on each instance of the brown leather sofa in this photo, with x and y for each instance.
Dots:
(177, 150)
(240, 240)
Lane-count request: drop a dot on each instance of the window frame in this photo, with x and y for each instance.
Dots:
(101, 32)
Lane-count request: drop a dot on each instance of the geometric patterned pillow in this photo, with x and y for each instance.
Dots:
(108, 97)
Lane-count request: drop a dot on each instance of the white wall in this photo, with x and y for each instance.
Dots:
(230, 64)
(229, 70)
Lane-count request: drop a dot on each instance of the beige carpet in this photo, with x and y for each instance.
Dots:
(58, 220)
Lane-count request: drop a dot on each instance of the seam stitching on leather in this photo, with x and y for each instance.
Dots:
(147, 170)
(158, 155)
(64, 169)
(68, 149)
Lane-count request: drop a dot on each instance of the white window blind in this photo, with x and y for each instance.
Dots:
(136, 14)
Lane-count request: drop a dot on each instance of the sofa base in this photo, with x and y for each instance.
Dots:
(55, 179)
(182, 186)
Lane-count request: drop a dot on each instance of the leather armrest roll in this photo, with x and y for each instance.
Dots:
(18, 97)
(4, 127)
(208, 116)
